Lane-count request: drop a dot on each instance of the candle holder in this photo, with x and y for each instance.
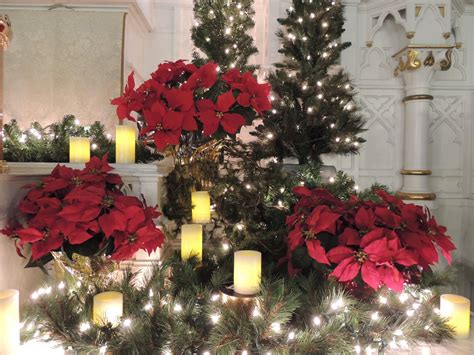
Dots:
(229, 292)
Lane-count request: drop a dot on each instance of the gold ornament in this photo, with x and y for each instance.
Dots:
(430, 60)
(446, 63)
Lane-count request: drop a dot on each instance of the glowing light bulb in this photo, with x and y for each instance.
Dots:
(84, 327)
(310, 110)
(312, 15)
(269, 136)
(375, 316)
(127, 323)
(403, 297)
(228, 31)
(325, 24)
(338, 139)
(291, 335)
(300, 20)
(178, 307)
(276, 327)
(215, 318)
(208, 39)
(317, 321)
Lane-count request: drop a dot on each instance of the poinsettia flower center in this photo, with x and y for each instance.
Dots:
(219, 115)
(76, 181)
(361, 256)
(107, 201)
(159, 126)
(132, 238)
(45, 234)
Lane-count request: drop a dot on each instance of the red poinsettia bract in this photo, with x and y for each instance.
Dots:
(380, 243)
(181, 98)
(71, 208)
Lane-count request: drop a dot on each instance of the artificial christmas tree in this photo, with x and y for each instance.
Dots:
(314, 111)
(221, 33)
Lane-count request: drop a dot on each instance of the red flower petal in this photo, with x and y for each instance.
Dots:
(225, 101)
(349, 237)
(232, 122)
(370, 274)
(338, 254)
(244, 99)
(347, 270)
(115, 220)
(295, 239)
(316, 251)
(30, 235)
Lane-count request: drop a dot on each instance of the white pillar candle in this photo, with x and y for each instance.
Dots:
(125, 138)
(191, 241)
(108, 308)
(201, 203)
(247, 271)
(79, 150)
(9, 322)
(457, 310)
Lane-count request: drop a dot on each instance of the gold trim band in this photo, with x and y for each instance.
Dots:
(418, 97)
(420, 46)
(415, 172)
(417, 196)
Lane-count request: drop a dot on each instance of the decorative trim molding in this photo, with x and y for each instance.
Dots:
(130, 6)
(417, 97)
(417, 196)
(415, 172)
(421, 46)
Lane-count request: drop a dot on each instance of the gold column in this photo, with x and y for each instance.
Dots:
(5, 36)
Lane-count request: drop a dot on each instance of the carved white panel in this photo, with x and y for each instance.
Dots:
(376, 64)
(379, 151)
(446, 132)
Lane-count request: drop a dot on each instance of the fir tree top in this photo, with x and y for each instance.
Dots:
(314, 110)
(221, 32)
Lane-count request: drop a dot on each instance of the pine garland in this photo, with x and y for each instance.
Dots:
(51, 143)
(179, 309)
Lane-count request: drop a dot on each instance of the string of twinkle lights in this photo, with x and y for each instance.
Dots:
(390, 321)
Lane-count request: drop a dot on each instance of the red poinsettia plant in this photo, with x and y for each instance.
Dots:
(83, 212)
(375, 243)
(180, 98)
